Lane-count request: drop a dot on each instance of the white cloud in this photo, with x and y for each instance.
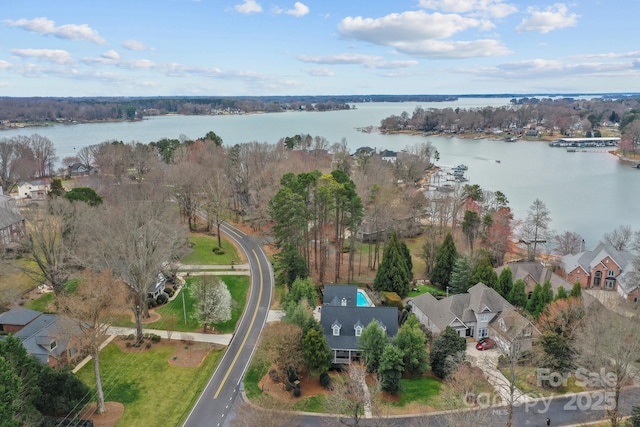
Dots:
(46, 26)
(299, 9)
(454, 49)
(552, 18)
(58, 56)
(111, 54)
(487, 8)
(134, 45)
(4, 65)
(405, 27)
(369, 61)
(319, 72)
(249, 6)
(419, 34)
(611, 55)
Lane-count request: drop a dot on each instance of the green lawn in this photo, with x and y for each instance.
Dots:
(238, 287)
(423, 289)
(202, 251)
(153, 391)
(418, 390)
(43, 304)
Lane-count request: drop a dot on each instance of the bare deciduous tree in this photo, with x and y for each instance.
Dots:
(97, 297)
(620, 238)
(137, 239)
(608, 349)
(352, 397)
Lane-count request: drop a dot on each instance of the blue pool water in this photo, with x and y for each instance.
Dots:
(362, 301)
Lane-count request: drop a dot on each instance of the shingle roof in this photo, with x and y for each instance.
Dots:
(333, 294)
(590, 259)
(349, 317)
(18, 316)
(9, 217)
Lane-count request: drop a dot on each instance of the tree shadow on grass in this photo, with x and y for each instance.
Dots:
(125, 392)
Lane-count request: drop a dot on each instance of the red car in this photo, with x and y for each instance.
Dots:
(485, 344)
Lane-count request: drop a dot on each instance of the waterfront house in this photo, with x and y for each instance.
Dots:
(12, 223)
(479, 313)
(605, 268)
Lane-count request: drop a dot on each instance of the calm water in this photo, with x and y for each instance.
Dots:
(589, 193)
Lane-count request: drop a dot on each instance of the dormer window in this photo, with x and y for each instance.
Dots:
(52, 345)
(358, 330)
(484, 317)
(343, 302)
(336, 328)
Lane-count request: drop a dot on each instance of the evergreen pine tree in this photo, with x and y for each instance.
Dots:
(562, 294)
(483, 270)
(576, 290)
(460, 280)
(505, 282)
(518, 296)
(393, 274)
(445, 259)
(537, 301)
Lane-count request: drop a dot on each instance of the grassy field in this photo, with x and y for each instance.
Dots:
(423, 289)
(154, 392)
(202, 251)
(43, 303)
(418, 390)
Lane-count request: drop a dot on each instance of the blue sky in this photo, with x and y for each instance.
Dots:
(316, 47)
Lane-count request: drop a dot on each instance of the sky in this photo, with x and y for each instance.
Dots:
(75, 48)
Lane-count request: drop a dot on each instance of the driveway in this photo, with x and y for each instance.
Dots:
(487, 361)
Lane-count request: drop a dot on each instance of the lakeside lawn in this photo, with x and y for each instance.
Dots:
(154, 392)
(202, 251)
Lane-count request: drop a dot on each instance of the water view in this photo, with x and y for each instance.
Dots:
(589, 192)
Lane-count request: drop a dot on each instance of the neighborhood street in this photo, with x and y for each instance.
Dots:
(218, 396)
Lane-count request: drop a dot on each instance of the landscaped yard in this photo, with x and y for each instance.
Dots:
(529, 386)
(423, 289)
(238, 287)
(202, 251)
(154, 392)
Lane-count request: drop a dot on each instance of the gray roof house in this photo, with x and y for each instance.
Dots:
(343, 321)
(51, 338)
(479, 313)
(605, 268)
(533, 273)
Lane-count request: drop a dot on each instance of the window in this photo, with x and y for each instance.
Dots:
(358, 330)
(343, 302)
(611, 273)
(52, 345)
(483, 332)
(336, 330)
(610, 283)
(484, 318)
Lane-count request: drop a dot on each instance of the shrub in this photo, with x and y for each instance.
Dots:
(326, 381)
(162, 299)
(392, 299)
(218, 251)
(151, 303)
(148, 345)
(169, 291)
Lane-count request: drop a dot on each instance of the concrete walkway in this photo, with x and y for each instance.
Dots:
(222, 339)
(201, 270)
(487, 360)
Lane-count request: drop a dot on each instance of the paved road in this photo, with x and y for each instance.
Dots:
(216, 400)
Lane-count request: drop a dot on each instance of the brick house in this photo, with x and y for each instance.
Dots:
(605, 268)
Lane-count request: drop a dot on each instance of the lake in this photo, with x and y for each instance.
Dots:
(589, 192)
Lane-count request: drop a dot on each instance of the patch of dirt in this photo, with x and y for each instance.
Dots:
(115, 410)
(308, 386)
(188, 354)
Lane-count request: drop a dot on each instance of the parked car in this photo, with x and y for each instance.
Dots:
(485, 344)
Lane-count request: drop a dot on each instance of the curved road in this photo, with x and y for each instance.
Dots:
(216, 400)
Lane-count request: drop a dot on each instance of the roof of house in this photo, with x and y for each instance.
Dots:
(333, 294)
(9, 217)
(464, 307)
(40, 331)
(537, 271)
(589, 259)
(350, 317)
(18, 316)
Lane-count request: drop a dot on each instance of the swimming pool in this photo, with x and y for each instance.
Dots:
(363, 299)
